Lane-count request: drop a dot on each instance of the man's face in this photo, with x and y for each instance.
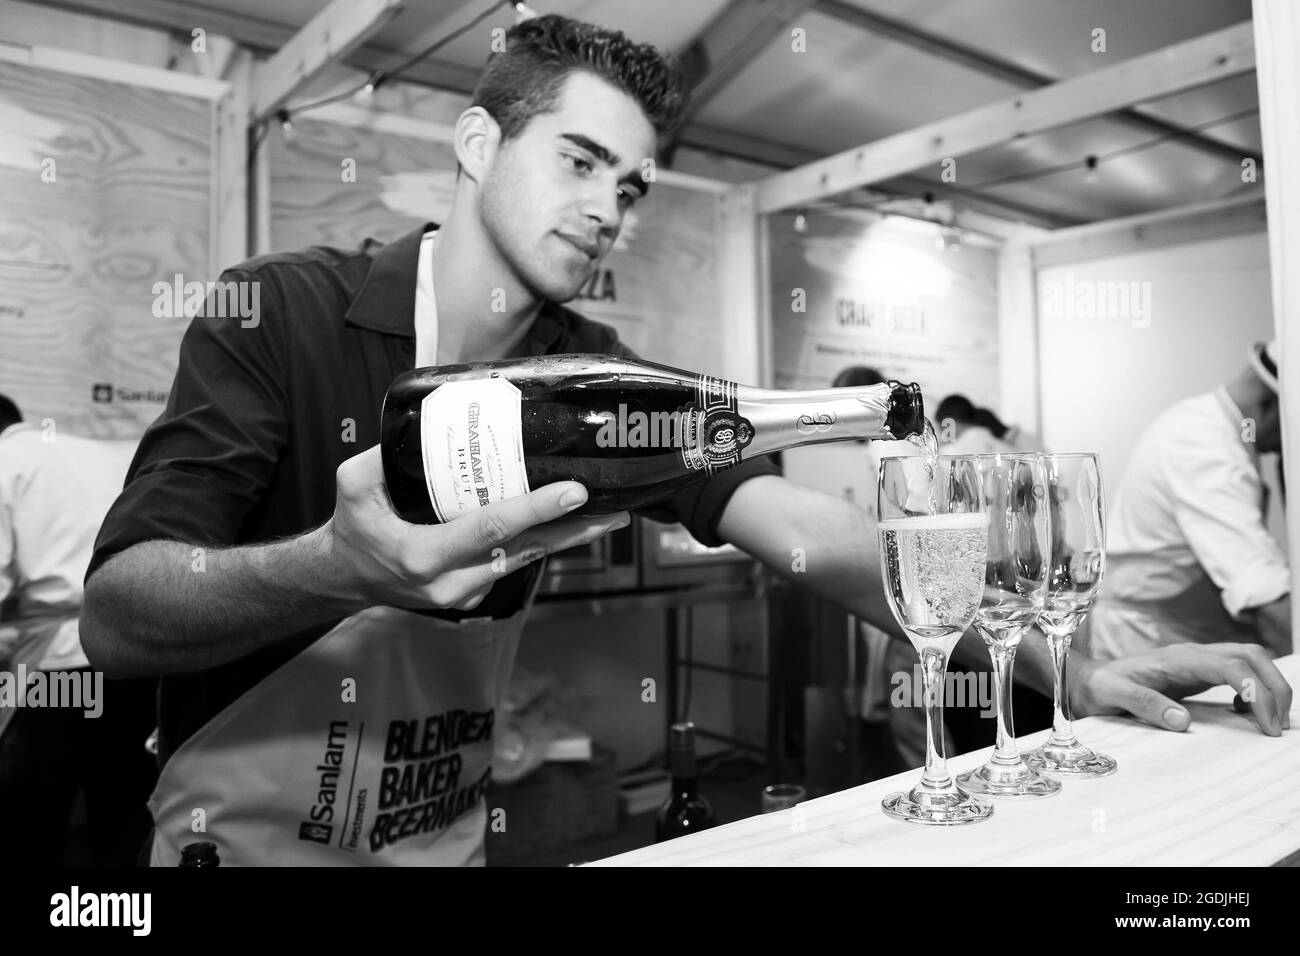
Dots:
(554, 198)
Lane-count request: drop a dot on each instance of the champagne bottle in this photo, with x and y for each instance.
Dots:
(459, 437)
(685, 810)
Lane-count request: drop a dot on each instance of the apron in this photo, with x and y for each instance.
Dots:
(371, 747)
(36, 633)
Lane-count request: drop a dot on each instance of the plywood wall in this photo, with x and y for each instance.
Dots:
(659, 286)
(104, 190)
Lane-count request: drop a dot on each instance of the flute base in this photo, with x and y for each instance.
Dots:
(946, 807)
(1009, 780)
(1075, 760)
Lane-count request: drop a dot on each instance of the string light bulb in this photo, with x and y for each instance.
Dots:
(1090, 163)
(366, 94)
(524, 12)
(800, 222)
(286, 123)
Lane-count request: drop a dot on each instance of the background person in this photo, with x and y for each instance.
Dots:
(54, 492)
(1189, 557)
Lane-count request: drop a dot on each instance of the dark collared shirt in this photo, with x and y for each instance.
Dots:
(260, 417)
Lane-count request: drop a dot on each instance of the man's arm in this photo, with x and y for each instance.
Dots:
(829, 546)
(156, 608)
(819, 542)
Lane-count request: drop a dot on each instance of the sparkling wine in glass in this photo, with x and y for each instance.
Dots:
(1078, 561)
(1015, 590)
(933, 535)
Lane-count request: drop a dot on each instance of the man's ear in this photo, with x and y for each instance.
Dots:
(476, 141)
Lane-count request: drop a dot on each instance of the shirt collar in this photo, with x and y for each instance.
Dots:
(386, 299)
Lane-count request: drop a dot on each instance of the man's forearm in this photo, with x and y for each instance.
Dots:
(1034, 662)
(1273, 625)
(166, 606)
(821, 543)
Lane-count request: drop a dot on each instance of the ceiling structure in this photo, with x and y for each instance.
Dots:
(786, 82)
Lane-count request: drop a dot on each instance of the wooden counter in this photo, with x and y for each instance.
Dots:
(1219, 794)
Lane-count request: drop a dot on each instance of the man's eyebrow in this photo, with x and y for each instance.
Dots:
(633, 178)
(593, 147)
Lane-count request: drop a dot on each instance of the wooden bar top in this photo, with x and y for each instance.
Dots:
(1219, 794)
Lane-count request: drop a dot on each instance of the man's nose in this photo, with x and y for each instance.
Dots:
(601, 206)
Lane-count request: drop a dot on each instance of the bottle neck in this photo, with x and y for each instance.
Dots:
(785, 419)
(685, 778)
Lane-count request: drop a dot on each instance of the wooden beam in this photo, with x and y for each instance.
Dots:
(230, 212)
(1168, 227)
(114, 71)
(215, 60)
(1277, 33)
(731, 42)
(266, 37)
(331, 35)
(784, 156)
(1008, 72)
(1206, 59)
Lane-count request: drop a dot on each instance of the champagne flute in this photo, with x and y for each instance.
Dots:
(1015, 589)
(1077, 565)
(933, 541)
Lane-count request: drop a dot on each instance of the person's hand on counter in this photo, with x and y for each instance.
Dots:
(1149, 685)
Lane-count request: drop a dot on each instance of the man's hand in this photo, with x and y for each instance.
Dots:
(1147, 685)
(446, 565)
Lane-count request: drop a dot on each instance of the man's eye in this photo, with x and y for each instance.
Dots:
(577, 162)
(627, 197)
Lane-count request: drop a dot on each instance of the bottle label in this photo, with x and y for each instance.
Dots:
(719, 433)
(473, 444)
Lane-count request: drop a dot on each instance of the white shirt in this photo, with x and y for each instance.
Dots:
(53, 498)
(1188, 549)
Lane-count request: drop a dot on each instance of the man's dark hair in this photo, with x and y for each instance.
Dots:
(856, 376)
(540, 53)
(987, 418)
(9, 413)
(958, 408)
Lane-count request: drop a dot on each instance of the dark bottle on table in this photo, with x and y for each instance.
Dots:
(685, 811)
(458, 437)
(200, 854)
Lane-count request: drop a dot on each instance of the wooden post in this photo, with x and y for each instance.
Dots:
(1277, 37)
(230, 169)
(743, 321)
(1018, 360)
